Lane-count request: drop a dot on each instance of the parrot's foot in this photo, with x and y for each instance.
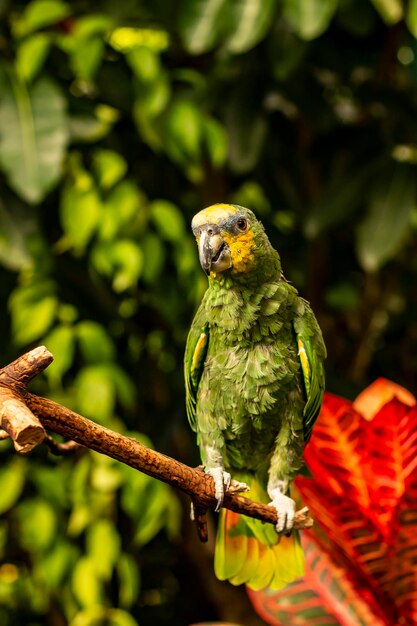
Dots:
(238, 487)
(285, 508)
(222, 482)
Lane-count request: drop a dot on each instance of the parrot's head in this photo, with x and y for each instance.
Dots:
(230, 239)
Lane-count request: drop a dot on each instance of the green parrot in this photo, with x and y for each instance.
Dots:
(254, 387)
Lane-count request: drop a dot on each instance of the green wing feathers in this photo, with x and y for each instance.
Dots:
(312, 352)
(195, 354)
(250, 552)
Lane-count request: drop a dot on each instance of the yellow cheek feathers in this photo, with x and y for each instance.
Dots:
(242, 249)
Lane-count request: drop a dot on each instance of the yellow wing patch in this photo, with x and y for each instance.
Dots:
(242, 250)
(198, 351)
(304, 359)
(305, 366)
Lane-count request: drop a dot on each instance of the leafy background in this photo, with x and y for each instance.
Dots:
(118, 121)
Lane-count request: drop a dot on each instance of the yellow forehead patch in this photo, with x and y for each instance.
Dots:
(242, 249)
(213, 214)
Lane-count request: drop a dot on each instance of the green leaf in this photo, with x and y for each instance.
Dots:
(129, 580)
(51, 483)
(123, 209)
(127, 38)
(383, 229)
(95, 393)
(201, 24)
(125, 389)
(12, 481)
(246, 127)
(80, 211)
(122, 260)
(184, 132)
(106, 475)
(37, 525)
(86, 57)
(309, 18)
(154, 257)
(31, 55)
(151, 101)
(391, 11)
(122, 213)
(109, 166)
(33, 128)
(127, 260)
(168, 219)
(86, 44)
(103, 547)
(252, 194)
(411, 17)
(33, 309)
(87, 128)
(343, 296)
(216, 141)
(145, 63)
(86, 585)
(39, 14)
(134, 491)
(154, 515)
(60, 342)
(90, 25)
(101, 616)
(95, 342)
(251, 20)
(57, 563)
(17, 226)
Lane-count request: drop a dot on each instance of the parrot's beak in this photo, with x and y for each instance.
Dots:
(213, 251)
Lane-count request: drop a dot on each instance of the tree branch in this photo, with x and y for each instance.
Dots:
(26, 416)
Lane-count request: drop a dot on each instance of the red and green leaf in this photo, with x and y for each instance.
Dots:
(361, 558)
(327, 596)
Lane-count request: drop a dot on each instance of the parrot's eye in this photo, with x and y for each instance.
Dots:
(242, 224)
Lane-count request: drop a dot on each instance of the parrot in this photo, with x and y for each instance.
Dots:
(254, 383)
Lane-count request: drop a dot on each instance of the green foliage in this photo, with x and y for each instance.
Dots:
(120, 120)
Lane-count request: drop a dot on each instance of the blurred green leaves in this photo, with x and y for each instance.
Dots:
(33, 308)
(39, 14)
(34, 134)
(12, 478)
(387, 222)
(310, 18)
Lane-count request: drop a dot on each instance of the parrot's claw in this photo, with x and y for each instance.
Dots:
(192, 512)
(285, 508)
(222, 482)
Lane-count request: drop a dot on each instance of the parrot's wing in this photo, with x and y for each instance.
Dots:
(312, 352)
(195, 355)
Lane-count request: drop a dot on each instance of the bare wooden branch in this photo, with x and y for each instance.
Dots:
(58, 419)
(18, 422)
(61, 449)
(16, 419)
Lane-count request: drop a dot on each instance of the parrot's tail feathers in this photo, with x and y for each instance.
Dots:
(250, 552)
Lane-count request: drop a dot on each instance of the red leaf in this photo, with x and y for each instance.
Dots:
(326, 596)
(391, 459)
(334, 454)
(374, 397)
(362, 556)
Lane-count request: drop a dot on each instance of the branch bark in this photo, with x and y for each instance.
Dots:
(26, 416)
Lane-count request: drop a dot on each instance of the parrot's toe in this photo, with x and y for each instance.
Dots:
(222, 482)
(285, 508)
